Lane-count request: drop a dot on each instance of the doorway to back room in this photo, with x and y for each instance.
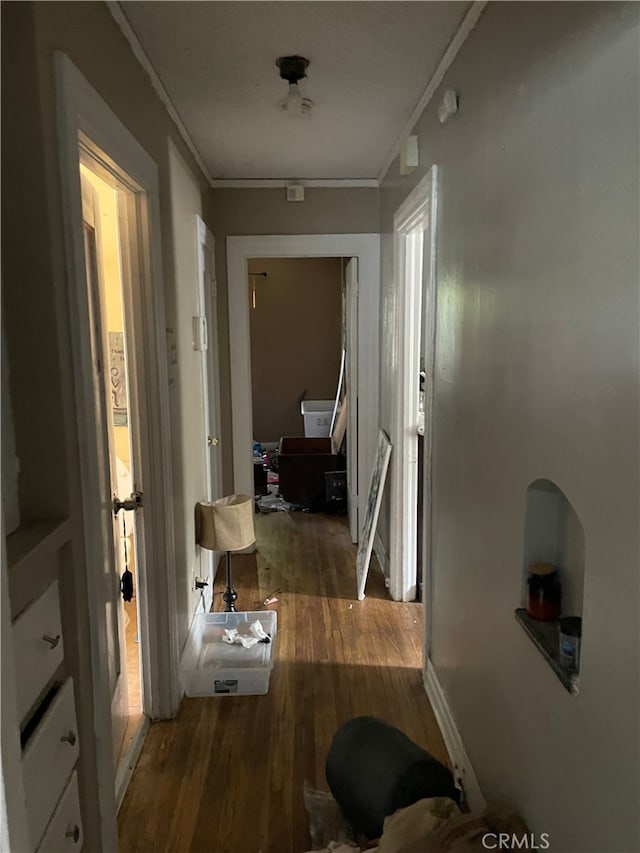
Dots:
(297, 338)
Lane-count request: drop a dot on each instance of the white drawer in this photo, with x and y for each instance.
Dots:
(37, 658)
(48, 759)
(64, 833)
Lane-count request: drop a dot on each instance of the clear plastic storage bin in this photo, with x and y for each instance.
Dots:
(211, 667)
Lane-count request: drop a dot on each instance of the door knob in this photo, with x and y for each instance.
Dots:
(53, 641)
(212, 441)
(69, 738)
(134, 501)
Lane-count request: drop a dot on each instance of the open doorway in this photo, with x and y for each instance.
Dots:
(103, 252)
(410, 534)
(297, 336)
(296, 339)
(362, 295)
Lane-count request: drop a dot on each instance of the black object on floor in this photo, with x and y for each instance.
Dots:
(260, 484)
(373, 769)
(335, 491)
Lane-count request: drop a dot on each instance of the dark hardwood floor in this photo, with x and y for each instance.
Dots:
(227, 775)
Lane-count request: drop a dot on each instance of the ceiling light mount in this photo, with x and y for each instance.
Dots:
(293, 69)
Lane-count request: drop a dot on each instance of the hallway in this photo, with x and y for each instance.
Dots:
(227, 775)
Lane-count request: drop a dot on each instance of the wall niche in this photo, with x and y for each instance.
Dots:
(554, 535)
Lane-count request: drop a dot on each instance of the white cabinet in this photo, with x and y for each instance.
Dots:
(48, 760)
(47, 713)
(64, 833)
(37, 647)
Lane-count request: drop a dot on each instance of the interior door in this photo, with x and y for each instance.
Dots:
(207, 339)
(351, 345)
(108, 473)
(210, 364)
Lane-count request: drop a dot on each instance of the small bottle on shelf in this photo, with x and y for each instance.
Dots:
(544, 595)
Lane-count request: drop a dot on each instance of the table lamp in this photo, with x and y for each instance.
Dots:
(226, 525)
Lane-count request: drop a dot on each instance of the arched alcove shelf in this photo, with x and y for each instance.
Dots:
(554, 534)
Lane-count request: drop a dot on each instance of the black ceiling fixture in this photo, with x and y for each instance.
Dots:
(293, 69)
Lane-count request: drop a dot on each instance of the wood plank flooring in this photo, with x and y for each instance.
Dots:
(227, 775)
(134, 688)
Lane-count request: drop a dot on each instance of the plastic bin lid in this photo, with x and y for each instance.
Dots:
(308, 406)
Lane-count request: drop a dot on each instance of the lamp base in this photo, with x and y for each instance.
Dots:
(229, 595)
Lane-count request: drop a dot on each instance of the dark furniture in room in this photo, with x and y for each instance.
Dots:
(303, 463)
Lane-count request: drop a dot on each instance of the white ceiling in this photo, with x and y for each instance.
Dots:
(369, 64)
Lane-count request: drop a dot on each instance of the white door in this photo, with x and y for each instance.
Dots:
(208, 309)
(206, 337)
(111, 569)
(351, 279)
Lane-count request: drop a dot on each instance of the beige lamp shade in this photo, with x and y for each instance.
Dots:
(225, 524)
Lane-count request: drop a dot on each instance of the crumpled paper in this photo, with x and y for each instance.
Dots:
(258, 635)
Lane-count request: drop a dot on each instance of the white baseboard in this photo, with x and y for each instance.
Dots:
(463, 771)
(381, 554)
(126, 768)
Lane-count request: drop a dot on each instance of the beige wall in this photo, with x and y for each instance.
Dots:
(238, 212)
(36, 316)
(537, 377)
(296, 333)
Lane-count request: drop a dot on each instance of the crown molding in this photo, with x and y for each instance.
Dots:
(462, 33)
(273, 183)
(121, 20)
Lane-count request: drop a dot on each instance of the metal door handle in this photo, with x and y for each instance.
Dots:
(53, 641)
(212, 441)
(69, 738)
(133, 502)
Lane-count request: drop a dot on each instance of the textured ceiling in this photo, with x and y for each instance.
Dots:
(369, 64)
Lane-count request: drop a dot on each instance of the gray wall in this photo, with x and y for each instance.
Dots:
(537, 377)
(238, 212)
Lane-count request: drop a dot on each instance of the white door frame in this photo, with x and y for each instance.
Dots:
(351, 348)
(81, 111)
(366, 247)
(415, 298)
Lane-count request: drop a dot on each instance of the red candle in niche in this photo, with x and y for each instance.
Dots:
(544, 592)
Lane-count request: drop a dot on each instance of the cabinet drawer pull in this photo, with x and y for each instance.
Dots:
(73, 833)
(69, 738)
(53, 641)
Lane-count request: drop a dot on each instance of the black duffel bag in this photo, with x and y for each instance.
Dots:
(373, 769)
